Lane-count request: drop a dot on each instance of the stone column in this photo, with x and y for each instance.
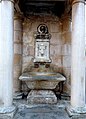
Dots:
(17, 51)
(1, 84)
(6, 52)
(85, 52)
(78, 54)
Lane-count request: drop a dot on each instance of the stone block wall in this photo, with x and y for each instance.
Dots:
(17, 52)
(66, 50)
(60, 43)
(30, 28)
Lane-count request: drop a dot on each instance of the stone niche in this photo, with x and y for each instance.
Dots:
(60, 43)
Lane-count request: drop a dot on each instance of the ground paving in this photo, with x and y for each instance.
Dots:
(41, 111)
(44, 111)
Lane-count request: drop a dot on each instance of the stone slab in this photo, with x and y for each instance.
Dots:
(44, 111)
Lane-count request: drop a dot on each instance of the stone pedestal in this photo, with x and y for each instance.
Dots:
(41, 97)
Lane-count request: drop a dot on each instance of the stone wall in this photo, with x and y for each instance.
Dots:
(66, 50)
(17, 52)
(60, 42)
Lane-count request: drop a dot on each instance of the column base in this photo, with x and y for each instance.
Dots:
(76, 113)
(7, 112)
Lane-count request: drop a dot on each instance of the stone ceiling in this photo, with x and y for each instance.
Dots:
(42, 7)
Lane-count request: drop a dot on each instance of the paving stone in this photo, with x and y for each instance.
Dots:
(42, 112)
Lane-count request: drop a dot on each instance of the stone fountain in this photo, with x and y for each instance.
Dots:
(40, 76)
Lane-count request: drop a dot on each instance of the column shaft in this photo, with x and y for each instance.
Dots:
(1, 77)
(6, 51)
(78, 55)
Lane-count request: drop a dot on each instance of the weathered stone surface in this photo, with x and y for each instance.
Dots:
(16, 82)
(66, 38)
(76, 113)
(67, 24)
(17, 48)
(28, 50)
(17, 36)
(6, 51)
(26, 61)
(4, 110)
(29, 29)
(44, 111)
(17, 59)
(55, 27)
(41, 80)
(60, 42)
(66, 49)
(4, 116)
(57, 60)
(41, 97)
(17, 25)
(67, 74)
(7, 112)
(67, 61)
(56, 39)
(55, 50)
(17, 70)
(28, 38)
(77, 59)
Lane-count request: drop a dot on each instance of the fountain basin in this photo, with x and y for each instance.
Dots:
(42, 80)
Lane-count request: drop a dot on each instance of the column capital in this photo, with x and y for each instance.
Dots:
(7, 0)
(77, 1)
